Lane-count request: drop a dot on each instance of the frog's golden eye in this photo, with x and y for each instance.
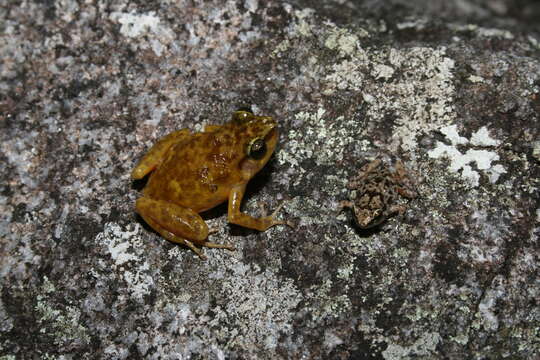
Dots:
(256, 149)
(242, 115)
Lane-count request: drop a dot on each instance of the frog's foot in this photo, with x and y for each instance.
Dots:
(208, 244)
(218, 246)
(195, 249)
(235, 216)
(272, 216)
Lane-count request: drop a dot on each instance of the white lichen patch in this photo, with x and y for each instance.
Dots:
(127, 257)
(462, 162)
(412, 86)
(134, 25)
(417, 89)
(452, 134)
(475, 79)
(259, 309)
(481, 31)
(482, 138)
(138, 25)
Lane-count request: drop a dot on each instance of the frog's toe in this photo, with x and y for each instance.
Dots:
(213, 230)
(289, 223)
(195, 249)
(219, 246)
(275, 221)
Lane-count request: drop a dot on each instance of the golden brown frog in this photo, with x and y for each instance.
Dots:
(377, 190)
(192, 173)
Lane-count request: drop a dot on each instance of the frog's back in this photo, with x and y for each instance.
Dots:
(197, 173)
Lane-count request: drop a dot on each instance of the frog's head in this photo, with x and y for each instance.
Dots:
(258, 136)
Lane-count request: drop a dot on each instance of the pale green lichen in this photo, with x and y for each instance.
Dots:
(281, 47)
(63, 323)
(303, 25)
(328, 306)
(343, 40)
(259, 309)
(418, 88)
(322, 139)
(461, 339)
(424, 346)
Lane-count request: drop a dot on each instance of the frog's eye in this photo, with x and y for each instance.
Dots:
(242, 115)
(256, 149)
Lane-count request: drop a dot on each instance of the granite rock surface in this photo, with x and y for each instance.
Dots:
(453, 91)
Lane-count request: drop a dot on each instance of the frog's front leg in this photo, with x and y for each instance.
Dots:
(235, 216)
(156, 153)
(177, 224)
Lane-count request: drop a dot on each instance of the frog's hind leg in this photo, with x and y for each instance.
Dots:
(177, 224)
(157, 152)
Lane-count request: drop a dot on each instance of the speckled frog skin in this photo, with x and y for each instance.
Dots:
(377, 190)
(191, 173)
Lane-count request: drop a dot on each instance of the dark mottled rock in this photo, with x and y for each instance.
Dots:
(450, 88)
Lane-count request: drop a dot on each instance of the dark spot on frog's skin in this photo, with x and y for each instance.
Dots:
(214, 141)
(213, 188)
(215, 158)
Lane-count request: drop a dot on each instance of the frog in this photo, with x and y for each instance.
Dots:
(377, 190)
(189, 173)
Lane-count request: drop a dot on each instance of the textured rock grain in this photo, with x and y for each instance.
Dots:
(452, 91)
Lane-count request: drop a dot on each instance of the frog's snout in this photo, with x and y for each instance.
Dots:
(268, 121)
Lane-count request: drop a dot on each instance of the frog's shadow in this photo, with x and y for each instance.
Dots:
(139, 184)
(364, 232)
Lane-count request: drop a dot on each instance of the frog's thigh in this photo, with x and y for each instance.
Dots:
(173, 222)
(155, 155)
